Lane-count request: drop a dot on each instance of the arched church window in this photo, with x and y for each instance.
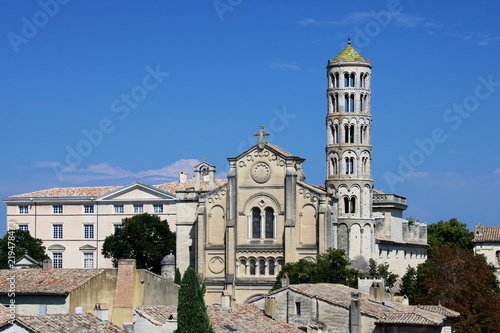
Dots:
(351, 103)
(334, 166)
(346, 205)
(262, 267)
(256, 222)
(269, 222)
(335, 133)
(346, 80)
(243, 267)
(252, 266)
(351, 134)
(352, 77)
(353, 205)
(271, 267)
(361, 133)
(346, 103)
(349, 165)
(361, 103)
(361, 78)
(336, 80)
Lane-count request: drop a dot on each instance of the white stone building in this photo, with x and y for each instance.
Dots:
(487, 243)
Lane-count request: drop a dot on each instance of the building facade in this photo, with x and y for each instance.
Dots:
(487, 243)
(239, 232)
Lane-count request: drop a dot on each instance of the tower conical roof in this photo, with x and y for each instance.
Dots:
(350, 54)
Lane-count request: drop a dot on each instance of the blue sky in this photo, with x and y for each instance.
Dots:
(109, 92)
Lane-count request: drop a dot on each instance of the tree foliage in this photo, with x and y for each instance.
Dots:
(382, 270)
(143, 237)
(459, 280)
(452, 233)
(177, 276)
(192, 314)
(17, 243)
(330, 267)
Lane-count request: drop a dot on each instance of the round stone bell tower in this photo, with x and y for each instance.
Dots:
(349, 150)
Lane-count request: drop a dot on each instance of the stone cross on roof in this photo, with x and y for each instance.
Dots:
(261, 142)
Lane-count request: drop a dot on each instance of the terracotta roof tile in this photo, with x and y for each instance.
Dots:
(47, 281)
(284, 152)
(5, 315)
(157, 314)
(485, 234)
(64, 323)
(171, 187)
(246, 318)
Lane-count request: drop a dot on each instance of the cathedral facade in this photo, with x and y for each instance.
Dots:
(239, 235)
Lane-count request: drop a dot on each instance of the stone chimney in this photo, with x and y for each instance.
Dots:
(183, 177)
(355, 313)
(123, 304)
(377, 292)
(270, 306)
(101, 311)
(168, 267)
(225, 301)
(46, 264)
(285, 281)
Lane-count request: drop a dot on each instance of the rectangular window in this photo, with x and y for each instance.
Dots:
(88, 260)
(158, 208)
(23, 227)
(138, 209)
(88, 209)
(57, 260)
(23, 209)
(57, 231)
(88, 231)
(118, 209)
(58, 209)
(297, 308)
(117, 226)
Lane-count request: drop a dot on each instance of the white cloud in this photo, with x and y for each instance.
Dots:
(398, 18)
(106, 171)
(496, 172)
(479, 38)
(416, 175)
(284, 65)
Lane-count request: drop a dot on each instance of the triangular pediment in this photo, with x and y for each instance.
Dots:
(266, 149)
(137, 191)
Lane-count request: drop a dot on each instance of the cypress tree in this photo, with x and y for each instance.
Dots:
(178, 277)
(192, 314)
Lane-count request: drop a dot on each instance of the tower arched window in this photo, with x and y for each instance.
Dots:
(352, 205)
(346, 103)
(351, 79)
(351, 134)
(335, 80)
(351, 103)
(361, 104)
(346, 205)
(333, 166)
(256, 222)
(335, 133)
(349, 165)
(269, 222)
(361, 79)
(346, 80)
(336, 103)
(364, 163)
(361, 133)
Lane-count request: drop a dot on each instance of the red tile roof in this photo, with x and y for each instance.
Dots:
(46, 281)
(485, 234)
(64, 323)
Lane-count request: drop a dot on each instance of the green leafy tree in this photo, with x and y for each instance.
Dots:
(382, 270)
(192, 314)
(143, 237)
(452, 233)
(17, 243)
(330, 267)
(178, 277)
